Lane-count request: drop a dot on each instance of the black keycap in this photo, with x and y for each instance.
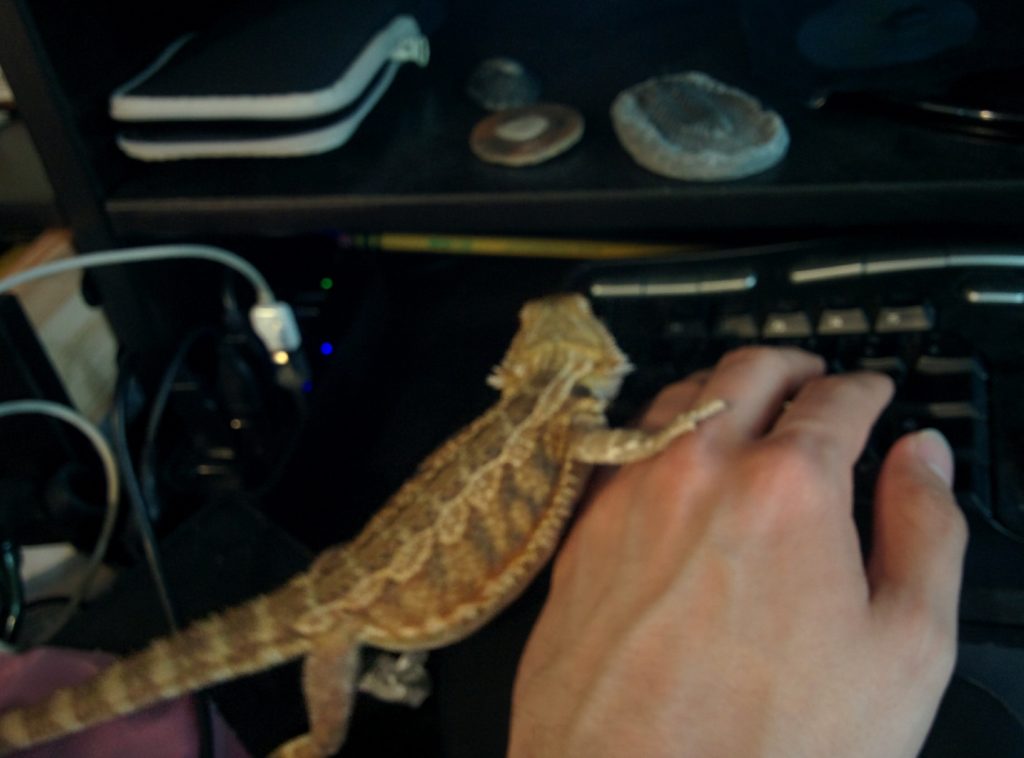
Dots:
(912, 318)
(892, 365)
(794, 325)
(837, 321)
(948, 379)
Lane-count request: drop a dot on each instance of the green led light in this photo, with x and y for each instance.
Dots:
(326, 283)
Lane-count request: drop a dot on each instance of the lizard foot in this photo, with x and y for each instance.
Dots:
(398, 678)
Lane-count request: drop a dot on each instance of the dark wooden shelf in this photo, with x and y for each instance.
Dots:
(409, 166)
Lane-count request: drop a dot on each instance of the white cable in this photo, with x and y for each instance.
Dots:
(99, 442)
(264, 294)
(272, 320)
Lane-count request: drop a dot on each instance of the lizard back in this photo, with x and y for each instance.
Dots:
(470, 529)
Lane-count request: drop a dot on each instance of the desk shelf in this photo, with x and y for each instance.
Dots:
(409, 166)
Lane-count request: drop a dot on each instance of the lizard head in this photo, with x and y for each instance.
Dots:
(561, 332)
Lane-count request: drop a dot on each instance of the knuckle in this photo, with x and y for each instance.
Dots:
(804, 448)
(782, 477)
(926, 641)
(936, 513)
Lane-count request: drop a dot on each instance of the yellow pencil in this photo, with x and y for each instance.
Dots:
(534, 247)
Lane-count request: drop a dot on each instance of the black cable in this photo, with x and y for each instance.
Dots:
(147, 456)
(135, 496)
(12, 592)
(42, 602)
(141, 511)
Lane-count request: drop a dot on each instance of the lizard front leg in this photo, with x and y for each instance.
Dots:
(329, 686)
(618, 446)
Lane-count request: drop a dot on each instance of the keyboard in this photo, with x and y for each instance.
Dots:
(946, 322)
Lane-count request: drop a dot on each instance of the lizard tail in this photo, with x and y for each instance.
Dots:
(251, 637)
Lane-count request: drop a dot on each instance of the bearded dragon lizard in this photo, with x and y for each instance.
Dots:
(457, 543)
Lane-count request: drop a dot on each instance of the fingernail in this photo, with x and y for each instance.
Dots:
(932, 449)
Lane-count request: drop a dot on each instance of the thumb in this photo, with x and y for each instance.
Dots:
(919, 532)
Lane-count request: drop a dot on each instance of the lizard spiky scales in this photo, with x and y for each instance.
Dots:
(457, 543)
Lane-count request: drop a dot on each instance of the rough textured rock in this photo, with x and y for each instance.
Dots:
(692, 126)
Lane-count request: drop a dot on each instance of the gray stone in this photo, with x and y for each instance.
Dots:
(691, 126)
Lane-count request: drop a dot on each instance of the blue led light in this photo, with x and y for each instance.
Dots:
(326, 348)
(307, 386)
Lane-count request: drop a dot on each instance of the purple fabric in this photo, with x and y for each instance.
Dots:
(169, 730)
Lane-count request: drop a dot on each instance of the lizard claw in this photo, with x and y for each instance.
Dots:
(398, 678)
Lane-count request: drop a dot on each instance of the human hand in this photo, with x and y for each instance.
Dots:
(713, 600)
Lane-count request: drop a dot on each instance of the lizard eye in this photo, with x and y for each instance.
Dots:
(581, 390)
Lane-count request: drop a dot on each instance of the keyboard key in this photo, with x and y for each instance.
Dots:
(947, 365)
(835, 321)
(738, 326)
(796, 325)
(948, 379)
(892, 365)
(963, 424)
(913, 318)
(685, 330)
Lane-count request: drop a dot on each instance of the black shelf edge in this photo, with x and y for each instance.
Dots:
(703, 209)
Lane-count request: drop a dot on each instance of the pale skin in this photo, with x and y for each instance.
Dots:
(713, 601)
